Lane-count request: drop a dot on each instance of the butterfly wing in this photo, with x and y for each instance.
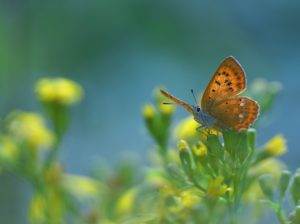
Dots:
(178, 101)
(229, 80)
(236, 112)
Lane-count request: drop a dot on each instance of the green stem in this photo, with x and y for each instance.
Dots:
(192, 178)
(281, 216)
(280, 213)
(52, 154)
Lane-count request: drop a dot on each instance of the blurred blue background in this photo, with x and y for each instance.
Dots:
(120, 50)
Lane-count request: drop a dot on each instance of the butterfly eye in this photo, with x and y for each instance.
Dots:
(198, 109)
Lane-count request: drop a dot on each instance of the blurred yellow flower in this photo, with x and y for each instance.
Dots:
(8, 148)
(31, 128)
(37, 211)
(268, 166)
(148, 111)
(55, 206)
(186, 129)
(216, 189)
(58, 90)
(189, 198)
(253, 193)
(166, 109)
(199, 149)
(53, 174)
(276, 146)
(182, 145)
(82, 187)
(126, 202)
(156, 179)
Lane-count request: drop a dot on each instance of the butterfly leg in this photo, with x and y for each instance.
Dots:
(208, 131)
(200, 127)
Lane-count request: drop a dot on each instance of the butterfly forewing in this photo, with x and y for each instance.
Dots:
(176, 100)
(229, 80)
(236, 112)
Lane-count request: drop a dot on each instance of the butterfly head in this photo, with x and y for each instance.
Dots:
(196, 109)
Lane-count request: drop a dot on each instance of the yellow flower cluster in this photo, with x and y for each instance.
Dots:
(58, 90)
(30, 128)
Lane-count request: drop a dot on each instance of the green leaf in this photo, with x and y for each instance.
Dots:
(236, 144)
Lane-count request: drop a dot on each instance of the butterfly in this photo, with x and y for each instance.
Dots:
(221, 107)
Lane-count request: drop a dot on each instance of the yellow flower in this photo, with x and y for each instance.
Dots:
(276, 146)
(82, 187)
(126, 202)
(31, 128)
(216, 189)
(58, 90)
(166, 109)
(186, 129)
(37, 210)
(8, 148)
(189, 198)
(268, 166)
(148, 111)
(156, 179)
(182, 145)
(199, 150)
(53, 174)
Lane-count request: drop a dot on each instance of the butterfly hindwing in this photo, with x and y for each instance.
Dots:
(236, 113)
(229, 80)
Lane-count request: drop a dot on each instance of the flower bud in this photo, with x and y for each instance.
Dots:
(251, 139)
(185, 156)
(166, 110)
(265, 182)
(284, 182)
(295, 187)
(294, 217)
(276, 146)
(58, 90)
(148, 111)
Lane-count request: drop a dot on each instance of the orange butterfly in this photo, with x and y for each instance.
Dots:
(220, 105)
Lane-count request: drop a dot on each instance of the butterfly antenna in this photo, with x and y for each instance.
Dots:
(168, 103)
(192, 91)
